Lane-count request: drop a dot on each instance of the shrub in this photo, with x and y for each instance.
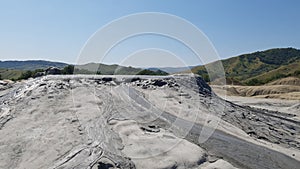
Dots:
(150, 72)
(297, 73)
(68, 70)
(254, 82)
(26, 75)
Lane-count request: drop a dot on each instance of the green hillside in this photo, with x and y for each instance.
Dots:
(10, 73)
(259, 67)
(13, 69)
(91, 68)
(30, 64)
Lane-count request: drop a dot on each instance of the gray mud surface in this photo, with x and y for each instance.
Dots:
(109, 122)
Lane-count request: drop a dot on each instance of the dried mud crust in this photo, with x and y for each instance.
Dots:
(66, 122)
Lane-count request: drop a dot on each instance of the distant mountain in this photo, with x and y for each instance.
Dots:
(99, 68)
(259, 67)
(248, 69)
(106, 69)
(172, 69)
(86, 68)
(30, 64)
(14, 69)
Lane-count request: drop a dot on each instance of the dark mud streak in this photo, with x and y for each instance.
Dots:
(237, 151)
(240, 152)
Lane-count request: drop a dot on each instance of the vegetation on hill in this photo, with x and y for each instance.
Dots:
(30, 65)
(249, 69)
(68, 70)
(10, 74)
(258, 68)
(172, 69)
(151, 72)
(71, 69)
(16, 70)
(28, 74)
(105, 69)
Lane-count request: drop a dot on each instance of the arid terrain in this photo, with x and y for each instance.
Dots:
(161, 122)
(284, 89)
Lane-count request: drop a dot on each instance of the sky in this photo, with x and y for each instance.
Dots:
(57, 30)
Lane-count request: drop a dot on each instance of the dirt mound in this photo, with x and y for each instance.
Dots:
(138, 122)
(266, 90)
(287, 81)
(290, 92)
(285, 96)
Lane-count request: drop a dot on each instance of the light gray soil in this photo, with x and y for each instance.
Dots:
(113, 122)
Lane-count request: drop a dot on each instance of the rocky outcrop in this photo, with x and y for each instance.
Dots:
(53, 71)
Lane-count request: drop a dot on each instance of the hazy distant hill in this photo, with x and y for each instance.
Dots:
(108, 69)
(14, 69)
(259, 67)
(30, 64)
(172, 69)
(115, 69)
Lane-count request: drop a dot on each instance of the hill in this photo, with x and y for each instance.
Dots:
(115, 69)
(30, 64)
(287, 92)
(10, 73)
(14, 69)
(107, 69)
(287, 81)
(172, 69)
(259, 67)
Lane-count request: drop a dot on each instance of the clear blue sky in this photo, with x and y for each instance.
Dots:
(57, 29)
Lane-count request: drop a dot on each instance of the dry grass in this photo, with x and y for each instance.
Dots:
(289, 92)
